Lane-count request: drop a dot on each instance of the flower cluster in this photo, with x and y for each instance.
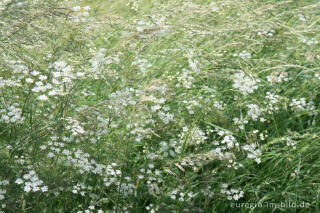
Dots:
(278, 77)
(193, 136)
(244, 83)
(219, 105)
(80, 14)
(3, 191)
(232, 194)
(31, 182)
(99, 65)
(253, 152)
(142, 64)
(180, 195)
(185, 79)
(74, 126)
(240, 122)
(301, 104)
(151, 208)
(254, 111)
(289, 142)
(11, 114)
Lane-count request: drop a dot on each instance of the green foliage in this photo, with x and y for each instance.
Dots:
(159, 106)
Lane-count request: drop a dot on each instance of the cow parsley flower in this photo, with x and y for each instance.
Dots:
(254, 111)
(253, 152)
(244, 83)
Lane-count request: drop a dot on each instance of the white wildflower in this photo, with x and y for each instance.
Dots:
(244, 83)
(43, 98)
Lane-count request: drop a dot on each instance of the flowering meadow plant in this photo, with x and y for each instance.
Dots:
(159, 106)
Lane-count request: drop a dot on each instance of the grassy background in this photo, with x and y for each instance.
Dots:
(111, 104)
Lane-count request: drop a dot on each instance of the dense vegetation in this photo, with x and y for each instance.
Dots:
(159, 106)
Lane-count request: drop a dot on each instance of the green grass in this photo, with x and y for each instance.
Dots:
(149, 100)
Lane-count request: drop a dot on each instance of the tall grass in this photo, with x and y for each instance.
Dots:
(159, 106)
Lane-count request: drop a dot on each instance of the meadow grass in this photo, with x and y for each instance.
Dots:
(159, 106)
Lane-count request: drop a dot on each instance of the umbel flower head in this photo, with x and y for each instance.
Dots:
(244, 83)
